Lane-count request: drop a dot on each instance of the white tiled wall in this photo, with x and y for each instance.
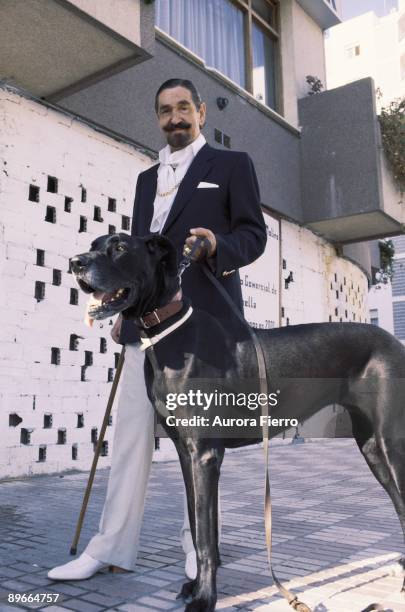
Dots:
(325, 287)
(37, 142)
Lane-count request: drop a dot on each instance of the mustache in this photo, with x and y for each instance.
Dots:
(183, 125)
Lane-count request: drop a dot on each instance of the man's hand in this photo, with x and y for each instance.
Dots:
(209, 246)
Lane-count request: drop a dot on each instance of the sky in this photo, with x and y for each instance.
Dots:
(352, 8)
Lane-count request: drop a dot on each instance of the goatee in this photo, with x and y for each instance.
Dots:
(178, 140)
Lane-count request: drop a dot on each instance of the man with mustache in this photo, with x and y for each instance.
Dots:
(195, 190)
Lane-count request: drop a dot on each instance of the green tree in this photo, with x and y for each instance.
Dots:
(392, 122)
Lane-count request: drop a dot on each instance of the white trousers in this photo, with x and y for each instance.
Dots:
(117, 540)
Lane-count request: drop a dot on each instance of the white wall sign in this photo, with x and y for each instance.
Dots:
(261, 282)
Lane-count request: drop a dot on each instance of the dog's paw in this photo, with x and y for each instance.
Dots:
(187, 590)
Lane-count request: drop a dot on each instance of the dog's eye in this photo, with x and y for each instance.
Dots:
(121, 247)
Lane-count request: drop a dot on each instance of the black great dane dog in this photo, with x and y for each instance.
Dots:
(358, 366)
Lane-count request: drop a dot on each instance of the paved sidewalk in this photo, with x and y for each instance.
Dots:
(336, 535)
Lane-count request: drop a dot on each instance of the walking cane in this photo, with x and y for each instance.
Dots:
(73, 549)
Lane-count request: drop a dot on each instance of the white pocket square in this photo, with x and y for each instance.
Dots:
(204, 185)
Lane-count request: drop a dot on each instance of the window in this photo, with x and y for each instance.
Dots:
(236, 37)
(266, 10)
(264, 86)
(352, 51)
(374, 316)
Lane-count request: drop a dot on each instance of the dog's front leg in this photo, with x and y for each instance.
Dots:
(201, 462)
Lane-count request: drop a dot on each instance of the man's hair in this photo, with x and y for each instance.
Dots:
(171, 83)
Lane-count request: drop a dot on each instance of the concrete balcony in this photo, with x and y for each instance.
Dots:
(323, 12)
(348, 191)
(55, 47)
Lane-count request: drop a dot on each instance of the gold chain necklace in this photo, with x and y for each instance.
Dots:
(167, 193)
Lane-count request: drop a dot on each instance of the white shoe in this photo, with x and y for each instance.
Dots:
(79, 569)
(191, 565)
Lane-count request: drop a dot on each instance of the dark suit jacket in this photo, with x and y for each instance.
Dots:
(231, 210)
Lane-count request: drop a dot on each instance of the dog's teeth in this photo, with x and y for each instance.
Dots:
(94, 301)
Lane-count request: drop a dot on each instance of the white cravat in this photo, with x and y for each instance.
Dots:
(171, 171)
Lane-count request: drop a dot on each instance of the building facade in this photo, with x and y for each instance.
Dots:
(398, 289)
(371, 46)
(71, 149)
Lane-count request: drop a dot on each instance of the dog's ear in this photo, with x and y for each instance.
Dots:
(164, 249)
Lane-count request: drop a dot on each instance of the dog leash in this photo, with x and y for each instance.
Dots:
(291, 598)
(188, 255)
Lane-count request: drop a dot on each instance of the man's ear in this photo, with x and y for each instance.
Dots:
(164, 250)
(203, 114)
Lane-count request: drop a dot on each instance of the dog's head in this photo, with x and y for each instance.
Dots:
(127, 274)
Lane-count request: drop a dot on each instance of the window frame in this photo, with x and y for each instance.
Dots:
(351, 51)
(272, 30)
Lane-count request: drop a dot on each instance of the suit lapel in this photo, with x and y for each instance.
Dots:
(198, 169)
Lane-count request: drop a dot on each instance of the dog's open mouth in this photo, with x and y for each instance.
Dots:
(104, 303)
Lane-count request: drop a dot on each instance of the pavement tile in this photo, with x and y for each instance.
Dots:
(25, 568)
(154, 581)
(39, 580)
(52, 609)
(103, 599)
(9, 572)
(83, 606)
(136, 608)
(17, 586)
(67, 589)
(156, 602)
